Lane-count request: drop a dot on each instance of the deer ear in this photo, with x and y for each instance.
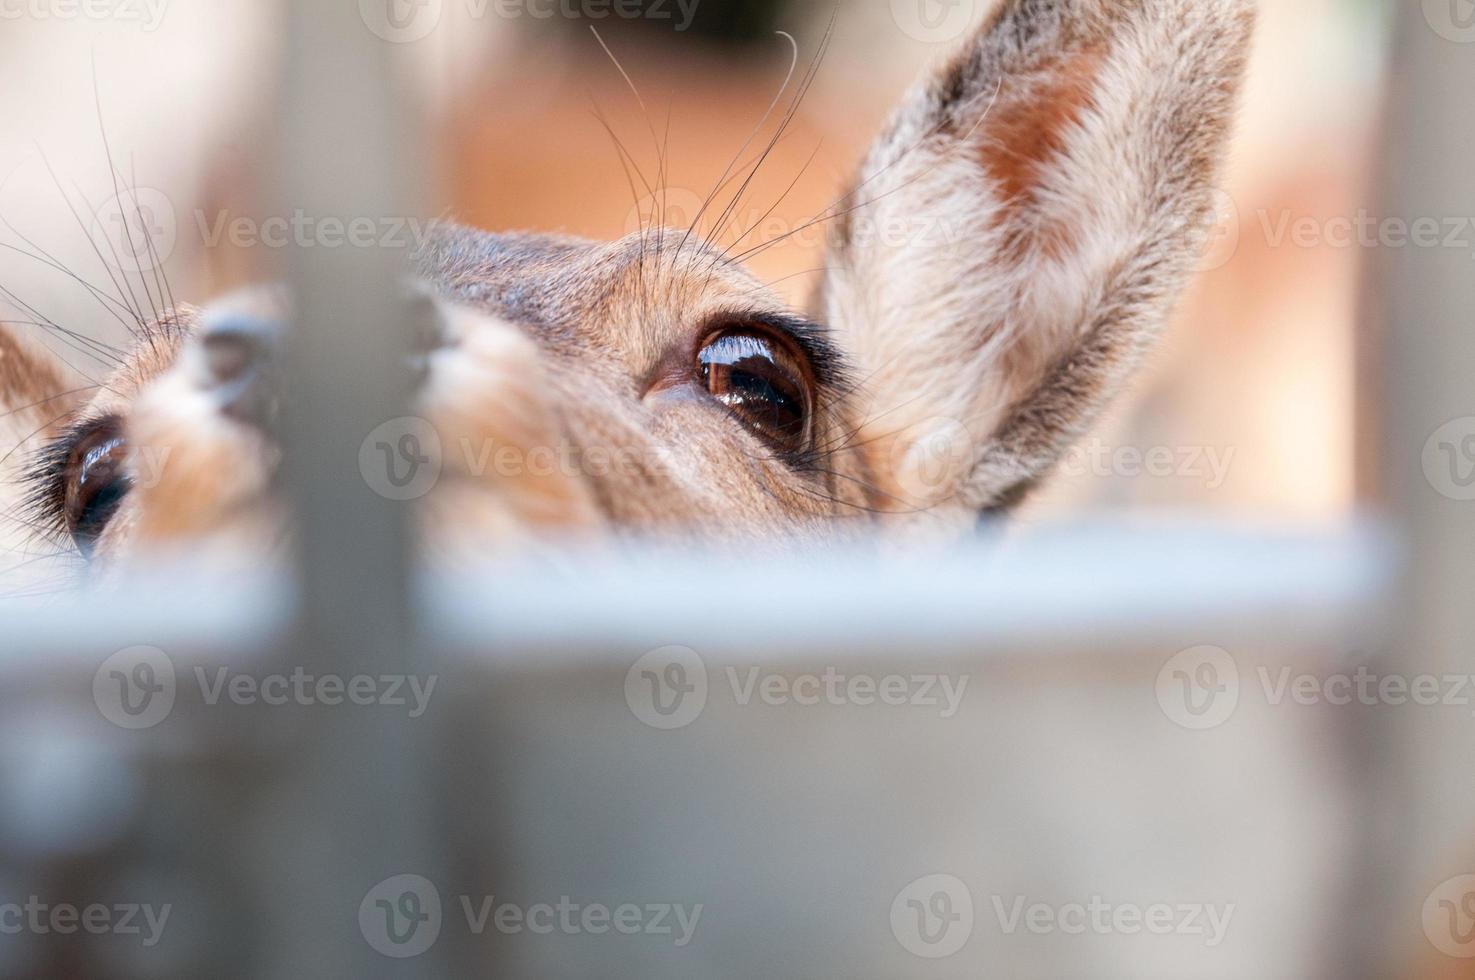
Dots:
(33, 399)
(1016, 237)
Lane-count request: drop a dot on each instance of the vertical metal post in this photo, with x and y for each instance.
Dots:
(1427, 795)
(351, 809)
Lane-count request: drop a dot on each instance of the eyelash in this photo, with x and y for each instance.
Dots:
(44, 499)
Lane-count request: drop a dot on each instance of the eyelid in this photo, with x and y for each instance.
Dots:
(96, 454)
(786, 345)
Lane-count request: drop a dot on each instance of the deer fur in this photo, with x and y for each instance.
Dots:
(1050, 175)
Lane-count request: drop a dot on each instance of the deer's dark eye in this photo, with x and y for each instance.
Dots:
(96, 482)
(762, 383)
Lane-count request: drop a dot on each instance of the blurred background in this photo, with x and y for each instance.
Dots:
(1247, 411)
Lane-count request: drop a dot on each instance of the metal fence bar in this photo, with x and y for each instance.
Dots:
(1046, 591)
(1426, 794)
(352, 801)
(1060, 587)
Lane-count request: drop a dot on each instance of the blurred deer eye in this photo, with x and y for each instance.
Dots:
(96, 483)
(762, 384)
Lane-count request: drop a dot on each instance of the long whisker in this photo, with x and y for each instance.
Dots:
(625, 165)
(776, 204)
(661, 201)
(37, 404)
(48, 260)
(117, 188)
(33, 434)
(793, 65)
(789, 115)
(133, 309)
(826, 216)
(77, 342)
(156, 263)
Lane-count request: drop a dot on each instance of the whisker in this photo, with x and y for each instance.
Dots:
(793, 110)
(133, 309)
(776, 204)
(621, 155)
(117, 189)
(120, 280)
(47, 260)
(155, 261)
(793, 65)
(824, 216)
(33, 434)
(74, 340)
(64, 394)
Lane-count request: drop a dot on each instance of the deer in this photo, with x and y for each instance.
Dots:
(1063, 148)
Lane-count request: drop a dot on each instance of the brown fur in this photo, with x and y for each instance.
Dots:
(1061, 151)
(31, 390)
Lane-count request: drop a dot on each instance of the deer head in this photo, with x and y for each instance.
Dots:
(1046, 174)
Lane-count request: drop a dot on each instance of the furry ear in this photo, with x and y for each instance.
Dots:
(32, 395)
(33, 403)
(1015, 239)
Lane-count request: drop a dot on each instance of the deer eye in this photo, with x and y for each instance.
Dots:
(96, 482)
(761, 383)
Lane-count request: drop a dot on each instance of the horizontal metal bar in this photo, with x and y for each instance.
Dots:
(1056, 589)
(1053, 589)
(169, 608)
